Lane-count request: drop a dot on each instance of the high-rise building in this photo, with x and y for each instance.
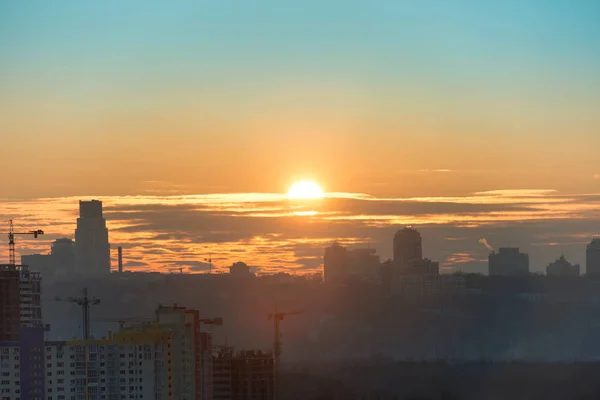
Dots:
(335, 263)
(135, 363)
(562, 267)
(10, 303)
(22, 366)
(363, 263)
(63, 256)
(408, 248)
(508, 261)
(187, 369)
(30, 288)
(21, 334)
(222, 373)
(92, 255)
(592, 258)
(246, 375)
(20, 300)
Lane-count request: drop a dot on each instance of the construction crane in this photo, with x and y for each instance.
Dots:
(209, 261)
(277, 317)
(85, 302)
(11, 240)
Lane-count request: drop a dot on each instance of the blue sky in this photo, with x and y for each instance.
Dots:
(494, 41)
(415, 84)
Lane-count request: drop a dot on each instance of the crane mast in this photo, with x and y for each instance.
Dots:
(85, 302)
(277, 317)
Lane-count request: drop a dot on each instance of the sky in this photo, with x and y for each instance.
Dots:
(392, 99)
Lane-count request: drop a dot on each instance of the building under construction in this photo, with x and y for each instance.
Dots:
(20, 300)
(245, 375)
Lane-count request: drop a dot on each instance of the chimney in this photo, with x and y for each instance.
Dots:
(120, 252)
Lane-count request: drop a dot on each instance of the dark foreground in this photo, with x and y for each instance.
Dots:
(443, 380)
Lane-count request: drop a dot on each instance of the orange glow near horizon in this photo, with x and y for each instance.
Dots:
(305, 190)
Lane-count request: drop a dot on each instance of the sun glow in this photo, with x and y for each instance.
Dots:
(305, 190)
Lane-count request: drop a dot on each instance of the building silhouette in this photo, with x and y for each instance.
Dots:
(92, 249)
(335, 263)
(63, 256)
(508, 261)
(39, 263)
(60, 261)
(408, 248)
(363, 263)
(239, 270)
(561, 267)
(592, 258)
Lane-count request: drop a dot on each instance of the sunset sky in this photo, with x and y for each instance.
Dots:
(419, 105)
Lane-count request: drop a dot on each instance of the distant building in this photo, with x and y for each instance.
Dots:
(92, 255)
(562, 267)
(424, 267)
(239, 270)
(39, 263)
(408, 247)
(508, 261)
(335, 263)
(592, 259)
(363, 263)
(386, 273)
(63, 256)
(247, 375)
(60, 261)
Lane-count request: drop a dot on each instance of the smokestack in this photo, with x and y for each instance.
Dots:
(120, 252)
(484, 242)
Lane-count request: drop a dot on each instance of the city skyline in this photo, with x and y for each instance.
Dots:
(165, 233)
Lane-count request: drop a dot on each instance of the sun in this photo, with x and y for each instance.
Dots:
(305, 190)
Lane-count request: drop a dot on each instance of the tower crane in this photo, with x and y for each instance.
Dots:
(277, 317)
(11, 240)
(85, 302)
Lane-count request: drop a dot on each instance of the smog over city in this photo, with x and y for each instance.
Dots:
(300, 200)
